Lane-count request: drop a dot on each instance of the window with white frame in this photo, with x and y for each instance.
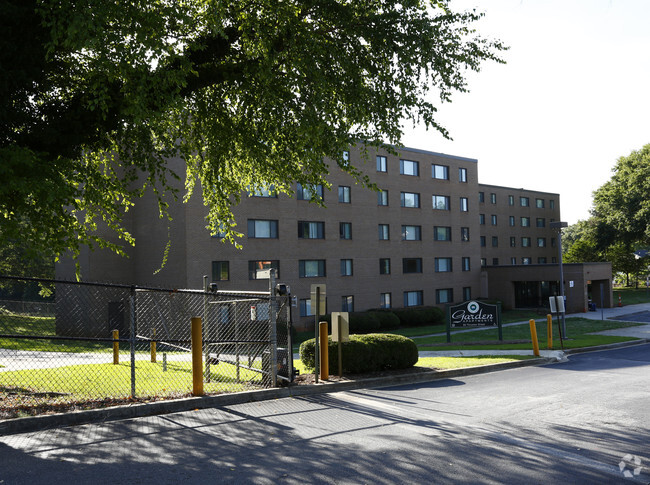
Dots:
(443, 265)
(382, 165)
(442, 233)
(462, 175)
(444, 295)
(262, 229)
(344, 194)
(464, 204)
(311, 230)
(440, 172)
(411, 233)
(413, 298)
(409, 167)
(384, 232)
(410, 199)
(440, 202)
(346, 267)
(311, 268)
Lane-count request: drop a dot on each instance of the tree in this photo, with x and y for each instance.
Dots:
(622, 205)
(95, 97)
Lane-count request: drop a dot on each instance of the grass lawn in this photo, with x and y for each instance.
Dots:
(578, 330)
(632, 296)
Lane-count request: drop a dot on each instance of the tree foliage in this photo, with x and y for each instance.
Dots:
(96, 96)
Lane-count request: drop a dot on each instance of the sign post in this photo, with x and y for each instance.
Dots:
(317, 303)
(473, 314)
(340, 333)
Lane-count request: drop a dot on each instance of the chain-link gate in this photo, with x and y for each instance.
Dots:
(80, 342)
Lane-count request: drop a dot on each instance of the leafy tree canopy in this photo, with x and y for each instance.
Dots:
(95, 96)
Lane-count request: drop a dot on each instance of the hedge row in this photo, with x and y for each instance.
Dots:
(377, 320)
(365, 353)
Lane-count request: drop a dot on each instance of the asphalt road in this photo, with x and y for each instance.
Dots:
(582, 421)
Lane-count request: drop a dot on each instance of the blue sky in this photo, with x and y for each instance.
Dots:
(573, 97)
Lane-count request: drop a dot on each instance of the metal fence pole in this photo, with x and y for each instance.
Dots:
(273, 334)
(132, 340)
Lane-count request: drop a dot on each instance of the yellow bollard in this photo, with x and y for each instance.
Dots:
(152, 346)
(197, 357)
(324, 351)
(549, 331)
(533, 336)
(116, 347)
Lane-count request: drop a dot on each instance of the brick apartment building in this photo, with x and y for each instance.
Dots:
(425, 239)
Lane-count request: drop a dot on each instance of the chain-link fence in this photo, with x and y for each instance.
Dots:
(90, 342)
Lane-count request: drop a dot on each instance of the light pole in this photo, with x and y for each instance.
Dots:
(559, 225)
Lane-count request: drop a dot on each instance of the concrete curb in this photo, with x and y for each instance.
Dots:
(39, 423)
(129, 411)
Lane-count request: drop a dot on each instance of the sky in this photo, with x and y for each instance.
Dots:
(572, 98)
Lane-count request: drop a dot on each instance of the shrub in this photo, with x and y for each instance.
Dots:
(387, 320)
(414, 317)
(366, 353)
(363, 322)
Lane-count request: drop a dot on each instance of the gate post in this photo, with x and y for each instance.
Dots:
(273, 358)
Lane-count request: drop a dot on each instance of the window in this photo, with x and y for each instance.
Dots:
(384, 232)
(511, 200)
(541, 260)
(481, 219)
(344, 194)
(305, 307)
(539, 203)
(540, 222)
(513, 242)
(411, 233)
(493, 219)
(467, 293)
(413, 298)
(345, 230)
(384, 300)
(444, 295)
(259, 270)
(541, 242)
(464, 204)
(525, 260)
(382, 197)
(511, 221)
(551, 204)
(495, 261)
(220, 234)
(381, 164)
(310, 192)
(552, 242)
(263, 192)
(410, 199)
(493, 198)
(524, 201)
(311, 268)
(483, 244)
(311, 230)
(481, 197)
(412, 265)
(409, 167)
(346, 267)
(525, 222)
(483, 262)
(465, 263)
(462, 175)
(495, 241)
(440, 202)
(220, 270)
(464, 234)
(262, 229)
(384, 266)
(440, 172)
(347, 303)
(443, 265)
(442, 233)
(525, 242)
(513, 260)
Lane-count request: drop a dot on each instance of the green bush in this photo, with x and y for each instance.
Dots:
(419, 316)
(364, 322)
(366, 353)
(387, 320)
